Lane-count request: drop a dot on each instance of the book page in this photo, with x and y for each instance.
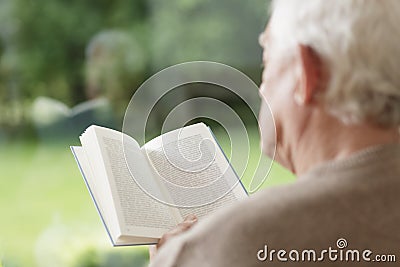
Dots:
(97, 178)
(138, 213)
(193, 169)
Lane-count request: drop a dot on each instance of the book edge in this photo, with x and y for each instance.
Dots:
(91, 194)
(230, 165)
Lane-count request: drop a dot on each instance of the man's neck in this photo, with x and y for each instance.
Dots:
(328, 140)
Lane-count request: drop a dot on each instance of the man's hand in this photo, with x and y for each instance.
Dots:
(189, 221)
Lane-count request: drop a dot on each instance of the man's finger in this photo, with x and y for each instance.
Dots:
(180, 228)
(191, 217)
(152, 251)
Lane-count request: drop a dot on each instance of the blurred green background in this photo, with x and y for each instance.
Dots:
(67, 64)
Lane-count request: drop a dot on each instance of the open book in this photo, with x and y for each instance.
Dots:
(142, 192)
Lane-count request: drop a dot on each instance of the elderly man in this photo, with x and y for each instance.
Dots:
(332, 79)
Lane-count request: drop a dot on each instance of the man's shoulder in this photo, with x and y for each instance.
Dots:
(320, 205)
(309, 213)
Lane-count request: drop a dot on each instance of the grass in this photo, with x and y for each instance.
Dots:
(41, 194)
(47, 216)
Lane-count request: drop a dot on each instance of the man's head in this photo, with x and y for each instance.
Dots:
(340, 57)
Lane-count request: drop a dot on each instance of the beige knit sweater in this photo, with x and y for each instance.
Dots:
(356, 199)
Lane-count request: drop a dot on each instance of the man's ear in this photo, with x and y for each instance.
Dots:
(311, 75)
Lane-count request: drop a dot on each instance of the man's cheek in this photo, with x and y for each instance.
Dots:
(267, 130)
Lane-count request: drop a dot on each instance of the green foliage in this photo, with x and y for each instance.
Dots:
(44, 44)
(225, 31)
(50, 36)
(51, 40)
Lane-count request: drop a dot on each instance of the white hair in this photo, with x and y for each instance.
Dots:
(359, 41)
